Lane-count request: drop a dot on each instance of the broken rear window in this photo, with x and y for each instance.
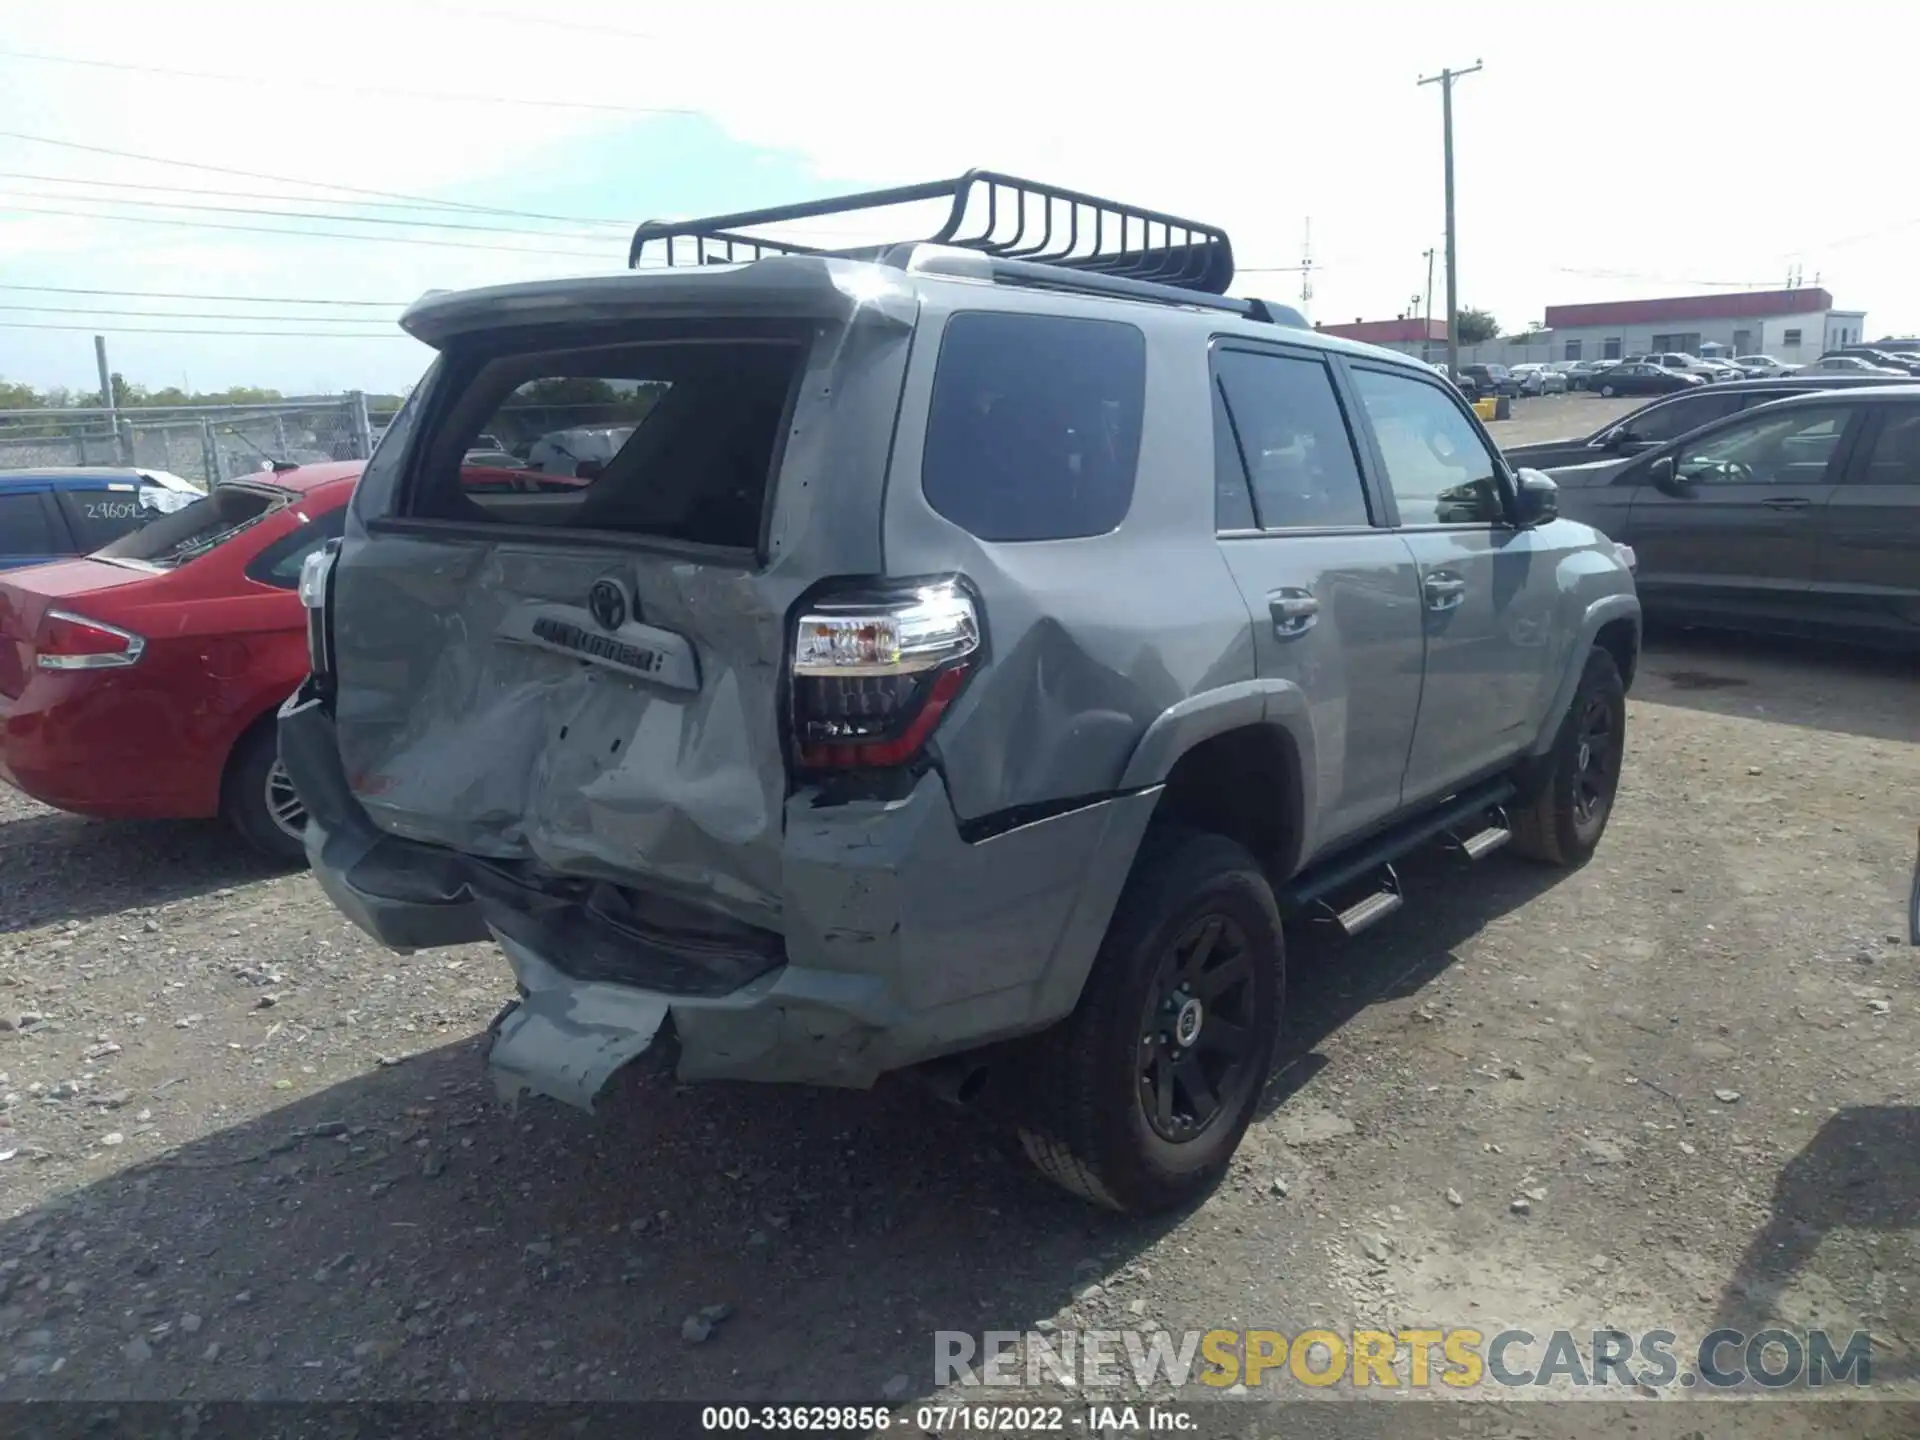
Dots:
(676, 439)
(191, 532)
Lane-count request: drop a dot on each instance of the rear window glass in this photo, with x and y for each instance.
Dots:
(676, 440)
(1035, 426)
(100, 517)
(200, 527)
(25, 528)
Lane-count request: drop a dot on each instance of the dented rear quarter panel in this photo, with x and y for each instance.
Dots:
(1091, 639)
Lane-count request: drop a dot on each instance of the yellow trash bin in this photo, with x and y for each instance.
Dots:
(1486, 407)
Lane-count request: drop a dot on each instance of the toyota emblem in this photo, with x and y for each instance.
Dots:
(607, 603)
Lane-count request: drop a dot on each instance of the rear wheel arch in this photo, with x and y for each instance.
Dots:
(1247, 783)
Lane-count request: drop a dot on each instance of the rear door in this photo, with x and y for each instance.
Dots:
(1487, 589)
(1335, 595)
(583, 668)
(32, 531)
(1867, 573)
(1739, 532)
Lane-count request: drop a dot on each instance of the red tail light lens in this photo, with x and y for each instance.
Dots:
(874, 671)
(73, 642)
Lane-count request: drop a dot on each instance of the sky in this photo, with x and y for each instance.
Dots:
(1602, 152)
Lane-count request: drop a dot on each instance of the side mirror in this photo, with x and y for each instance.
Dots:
(1537, 498)
(1663, 475)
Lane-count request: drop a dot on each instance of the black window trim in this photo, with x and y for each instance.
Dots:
(1502, 473)
(1345, 399)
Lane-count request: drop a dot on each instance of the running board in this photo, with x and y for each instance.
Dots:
(1372, 910)
(1484, 842)
(1464, 808)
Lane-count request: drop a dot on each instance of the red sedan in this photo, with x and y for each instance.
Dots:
(141, 682)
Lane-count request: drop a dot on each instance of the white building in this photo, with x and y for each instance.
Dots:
(1792, 325)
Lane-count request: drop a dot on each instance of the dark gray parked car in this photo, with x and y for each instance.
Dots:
(964, 666)
(1799, 516)
(1672, 416)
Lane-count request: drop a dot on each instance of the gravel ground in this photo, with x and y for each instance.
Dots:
(246, 1153)
(1560, 417)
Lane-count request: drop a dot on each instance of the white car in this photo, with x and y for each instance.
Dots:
(1535, 379)
(1763, 367)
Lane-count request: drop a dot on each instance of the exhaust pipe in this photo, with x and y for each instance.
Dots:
(956, 1079)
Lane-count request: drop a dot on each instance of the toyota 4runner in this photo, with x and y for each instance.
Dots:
(957, 655)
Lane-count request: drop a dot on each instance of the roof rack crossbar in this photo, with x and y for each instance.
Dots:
(999, 215)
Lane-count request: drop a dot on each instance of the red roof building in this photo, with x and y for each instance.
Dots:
(1739, 305)
(1389, 332)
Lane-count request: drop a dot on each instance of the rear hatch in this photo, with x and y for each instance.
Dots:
(559, 618)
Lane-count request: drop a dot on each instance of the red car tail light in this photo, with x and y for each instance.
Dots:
(67, 641)
(873, 671)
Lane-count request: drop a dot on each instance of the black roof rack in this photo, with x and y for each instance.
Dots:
(1003, 217)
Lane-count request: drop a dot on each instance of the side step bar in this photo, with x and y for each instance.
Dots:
(1373, 909)
(1380, 852)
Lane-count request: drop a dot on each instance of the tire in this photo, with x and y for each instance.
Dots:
(1567, 813)
(255, 778)
(1606, 391)
(1095, 1077)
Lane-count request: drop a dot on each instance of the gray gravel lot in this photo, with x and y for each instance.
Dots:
(249, 1154)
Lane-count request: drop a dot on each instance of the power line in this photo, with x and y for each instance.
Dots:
(516, 18)
(197, 315)
(291, 234)
(303, 215)
(308, 83)
(622, 225)
(395, 334)
(310, 184)
(182, 295)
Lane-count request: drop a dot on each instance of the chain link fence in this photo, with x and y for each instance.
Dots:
(204, 444)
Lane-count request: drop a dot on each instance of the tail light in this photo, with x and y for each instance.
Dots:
(315, 572)
(73, 642)
(873, 671)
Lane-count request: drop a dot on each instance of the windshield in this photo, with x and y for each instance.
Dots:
(200, 526)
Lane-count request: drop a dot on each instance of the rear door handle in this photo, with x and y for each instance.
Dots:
(1294, 611)
(1445, 590)
(1787, 502)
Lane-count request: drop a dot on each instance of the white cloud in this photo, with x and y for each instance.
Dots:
(1662, 144)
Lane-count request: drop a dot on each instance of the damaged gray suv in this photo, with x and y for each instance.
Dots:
(956, 656)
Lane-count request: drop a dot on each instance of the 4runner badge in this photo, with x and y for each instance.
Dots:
(607, 603)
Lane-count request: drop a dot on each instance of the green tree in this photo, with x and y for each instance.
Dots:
(1477, 326)
(17, 396)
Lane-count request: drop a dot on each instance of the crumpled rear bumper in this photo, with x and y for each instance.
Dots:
(901, 941)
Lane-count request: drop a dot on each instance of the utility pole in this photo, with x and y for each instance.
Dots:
(1426, 317)
(1445, 81)
(107, 400)
(1306, 267)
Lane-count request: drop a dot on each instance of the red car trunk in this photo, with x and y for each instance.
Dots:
(97, 589)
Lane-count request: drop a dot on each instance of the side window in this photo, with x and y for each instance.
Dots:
(100, 517)
(1793, 448)
(1292, 439)
(1034, 431)
(1441, 471)
(279, 564)
(26, 529)
(1895, 459)
(1675, 418)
